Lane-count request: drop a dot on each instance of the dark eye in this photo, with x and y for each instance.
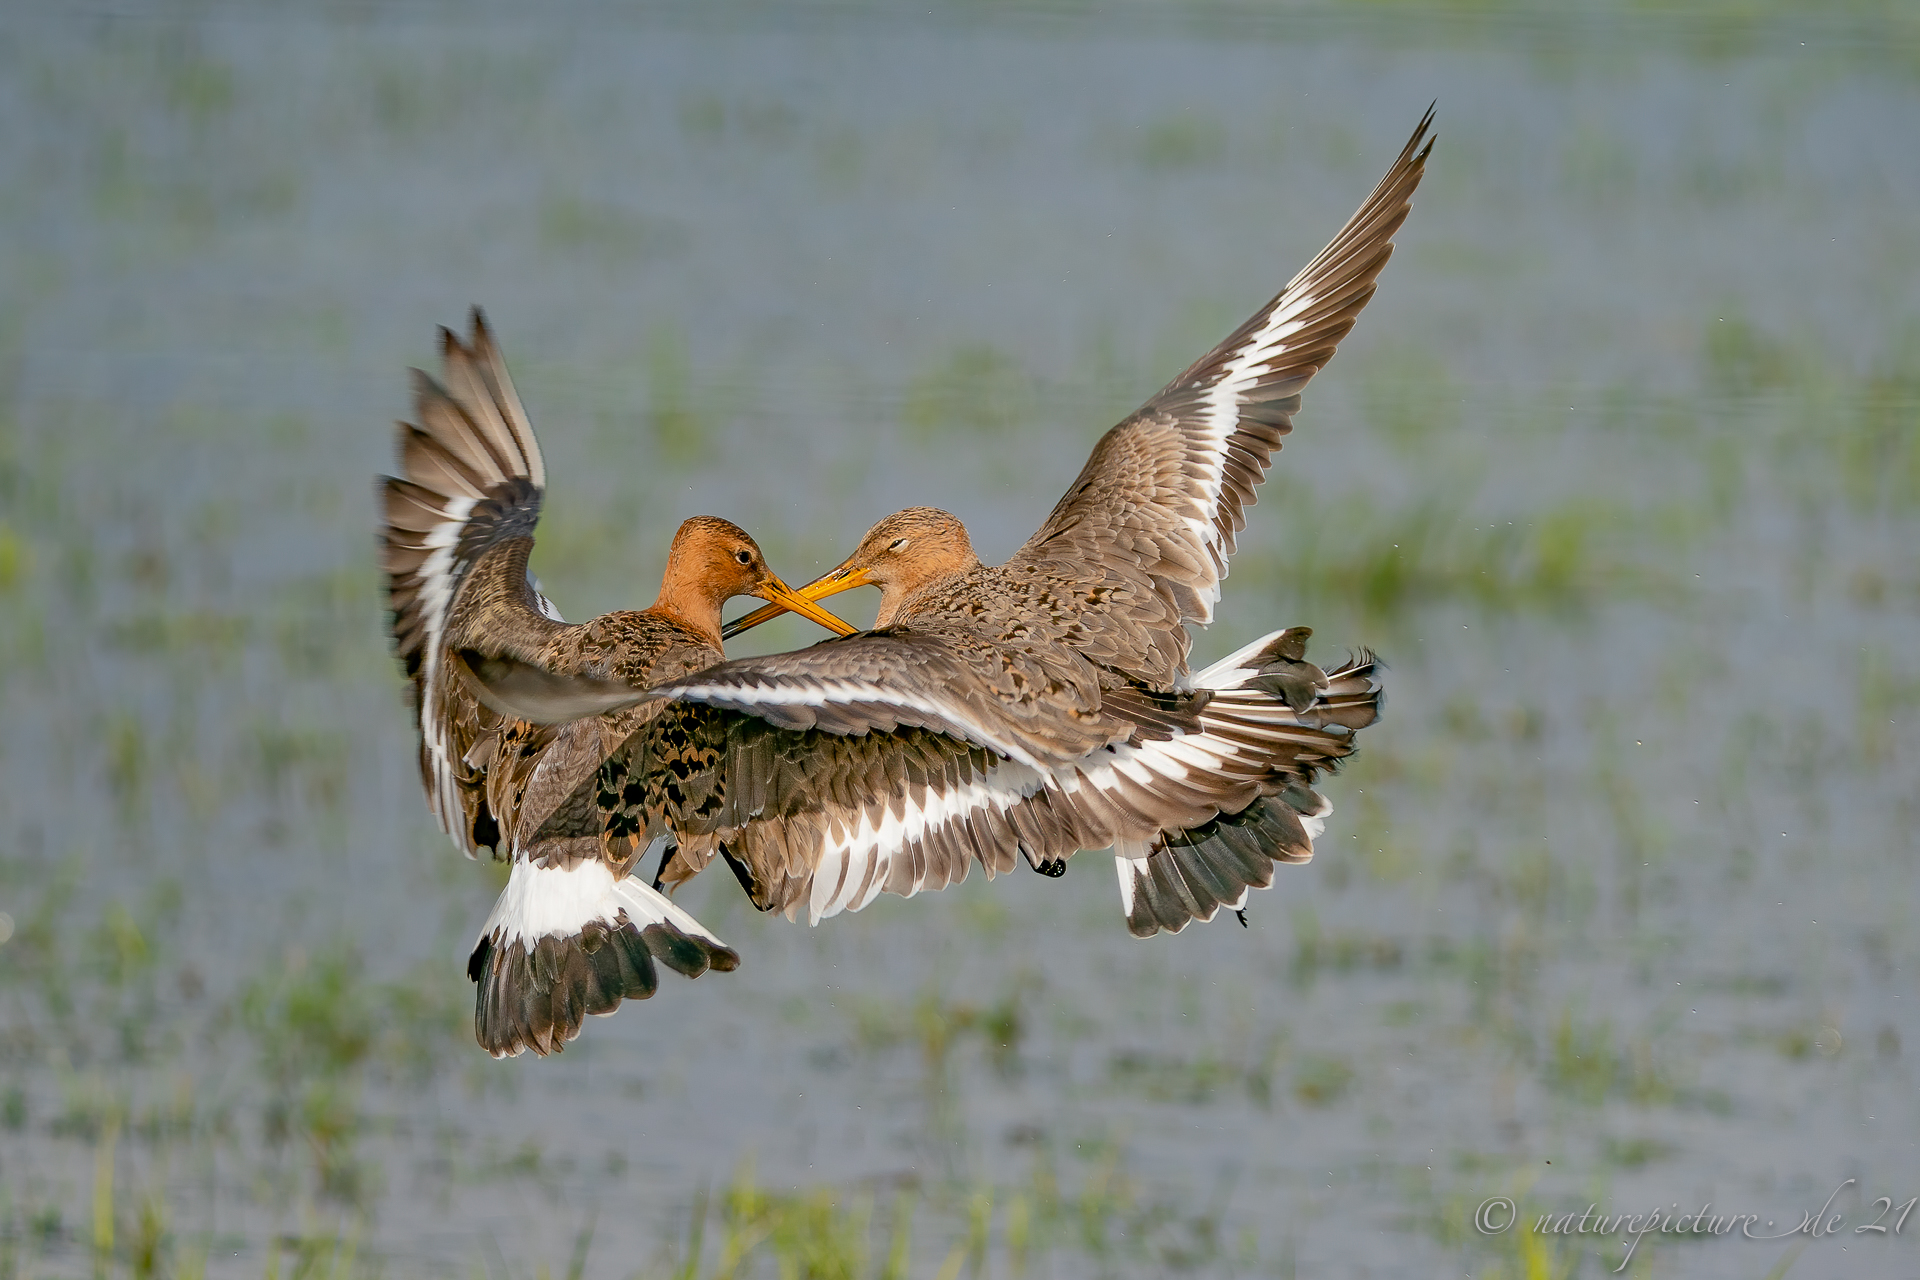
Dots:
(898, 544)
(744, 557)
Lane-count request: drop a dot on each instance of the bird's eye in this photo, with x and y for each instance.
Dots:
(744, 557)
(898, 544)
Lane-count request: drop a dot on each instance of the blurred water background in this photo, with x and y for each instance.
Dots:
(1620, 470)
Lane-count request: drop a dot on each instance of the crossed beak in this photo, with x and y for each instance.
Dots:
(830, 583)
(785, 598)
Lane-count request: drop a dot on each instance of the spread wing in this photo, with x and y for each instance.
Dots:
(827, 790)
(1036, 709)
(1156, 508)
(460, 515)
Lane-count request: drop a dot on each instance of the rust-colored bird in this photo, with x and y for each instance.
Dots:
(1067, 664)
(574, 932)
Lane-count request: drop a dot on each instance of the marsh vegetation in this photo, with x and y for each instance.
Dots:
(1621, 471)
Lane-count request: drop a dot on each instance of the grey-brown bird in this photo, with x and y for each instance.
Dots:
(574, 932)
(1065, 669)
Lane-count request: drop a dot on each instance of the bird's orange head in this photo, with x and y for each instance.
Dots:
(711, 561)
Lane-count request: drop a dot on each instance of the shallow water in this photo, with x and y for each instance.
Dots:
(1620, 470)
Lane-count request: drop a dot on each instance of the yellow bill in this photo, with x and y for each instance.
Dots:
(830, 583)
(785, 598)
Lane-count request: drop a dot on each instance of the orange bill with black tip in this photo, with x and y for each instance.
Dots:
(831, 583)
(784, 599)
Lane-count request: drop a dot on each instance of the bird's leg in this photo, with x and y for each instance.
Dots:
(744, 875)
(666, 856)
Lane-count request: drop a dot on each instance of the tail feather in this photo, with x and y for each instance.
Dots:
(1190, 875)
(1271, 706)
(566, 942)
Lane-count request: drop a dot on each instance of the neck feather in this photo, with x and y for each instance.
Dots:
(898, 598)
(691, 608)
